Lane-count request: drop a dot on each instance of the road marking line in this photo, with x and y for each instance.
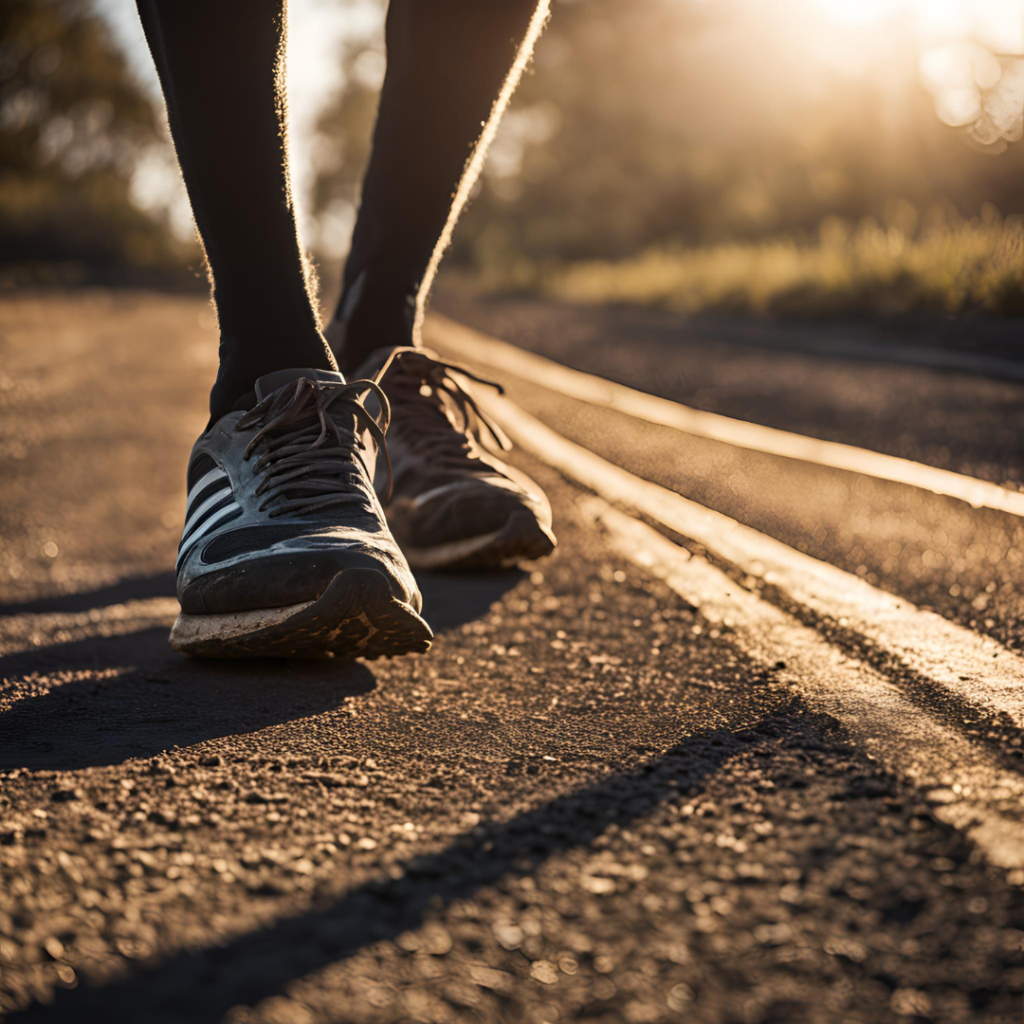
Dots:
(968, 787)
(974, 668)
(472, 346)
(19, 633)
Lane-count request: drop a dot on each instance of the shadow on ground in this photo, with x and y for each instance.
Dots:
(201, 986)
(113, 698)
(452, 599)
(103, 700)
(135, 588)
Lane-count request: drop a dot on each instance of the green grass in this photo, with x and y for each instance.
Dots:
(950, 265)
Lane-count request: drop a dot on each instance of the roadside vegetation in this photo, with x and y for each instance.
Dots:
(951, 264)
(75, 130)
(698, 156)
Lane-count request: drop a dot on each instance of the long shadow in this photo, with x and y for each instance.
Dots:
(199, 987)
(132, 696)
(449, 599)
(134, 588)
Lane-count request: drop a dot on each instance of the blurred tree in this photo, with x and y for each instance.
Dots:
(73, 127)
(677, 121)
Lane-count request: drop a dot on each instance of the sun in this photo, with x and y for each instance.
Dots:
(859, 12)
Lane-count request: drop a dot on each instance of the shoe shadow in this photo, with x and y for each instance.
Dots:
(103, 700)
(106, 699)
(453, 599)
(134, 588)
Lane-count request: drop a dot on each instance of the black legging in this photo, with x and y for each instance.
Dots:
(221, 67)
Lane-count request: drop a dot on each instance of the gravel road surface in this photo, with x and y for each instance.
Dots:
(588, 802)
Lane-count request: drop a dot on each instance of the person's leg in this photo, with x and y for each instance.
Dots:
(284, 551)
(452, 67)
(221, 65)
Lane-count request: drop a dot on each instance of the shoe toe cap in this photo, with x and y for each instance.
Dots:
(296, 575)
(466, 508)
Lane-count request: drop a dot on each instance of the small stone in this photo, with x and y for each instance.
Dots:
(67, 976)
(63, 796)
(132, 948)
(488, 977)
(509, 936)
(211, 761)
(436, 939)
(910, 1002)
(679, 997)
(54, 947)
(598, 886)
(544, 971)
(282, 1010)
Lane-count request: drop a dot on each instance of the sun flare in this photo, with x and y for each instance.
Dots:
(998, 24)
(862, 12)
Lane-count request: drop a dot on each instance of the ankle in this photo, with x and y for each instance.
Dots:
(241, 365)
(370, 317)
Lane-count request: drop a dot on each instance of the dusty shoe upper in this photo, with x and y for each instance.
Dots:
(453, 503)
(281, 498)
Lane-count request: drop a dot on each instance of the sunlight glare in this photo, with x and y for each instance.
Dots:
(997, 24)
(860, 12)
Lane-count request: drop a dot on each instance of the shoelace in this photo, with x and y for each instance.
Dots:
(309, 460)
(423, 388)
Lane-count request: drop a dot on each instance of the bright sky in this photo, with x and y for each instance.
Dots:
(996, 24)
(316, 29)
(955, 41)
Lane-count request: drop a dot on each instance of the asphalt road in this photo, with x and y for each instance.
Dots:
(599, 797)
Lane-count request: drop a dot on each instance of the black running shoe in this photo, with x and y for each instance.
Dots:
(286, 551)
(454, 504)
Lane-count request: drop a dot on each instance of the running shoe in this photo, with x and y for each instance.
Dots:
(454, 504)
(286, 551)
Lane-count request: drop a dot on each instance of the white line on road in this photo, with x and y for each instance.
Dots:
(969, 788)
(472, 346)
(977, 669)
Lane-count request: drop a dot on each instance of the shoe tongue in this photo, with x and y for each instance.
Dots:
(270, 382)
(370, 366)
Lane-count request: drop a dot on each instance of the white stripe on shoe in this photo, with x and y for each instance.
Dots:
(455, 485)
(205, 528)
(201, 484)
(219, 495)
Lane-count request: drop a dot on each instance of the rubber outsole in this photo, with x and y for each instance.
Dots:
(357, 616)
(522, 538)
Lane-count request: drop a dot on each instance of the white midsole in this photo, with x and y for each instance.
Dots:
(189, 630)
